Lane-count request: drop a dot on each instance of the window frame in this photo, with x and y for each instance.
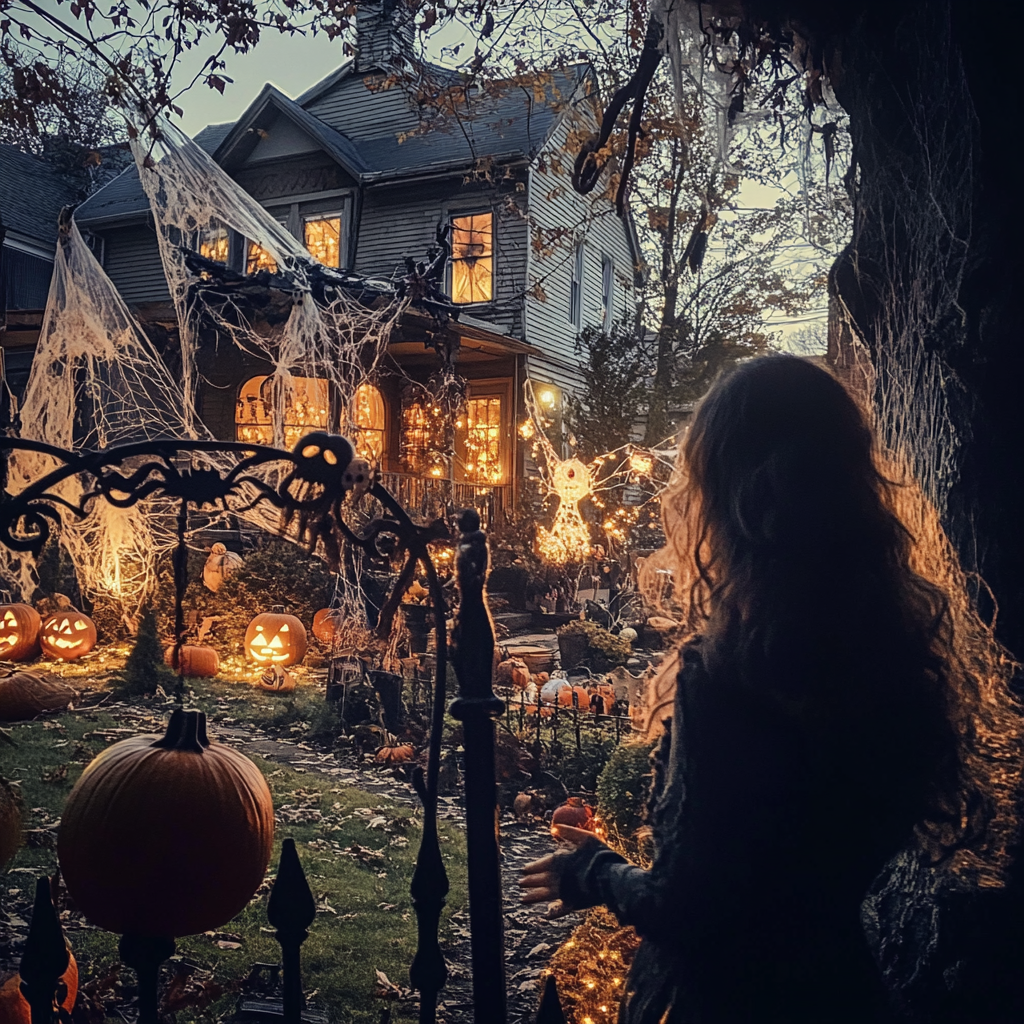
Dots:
(385, 425)
(339, 213)
(451, 215)
(576, 286)
(303, 427)
(489, 387)
(607, 291)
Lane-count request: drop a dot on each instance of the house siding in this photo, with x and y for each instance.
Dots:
(132, 262)
(556, 209)
(360, 112)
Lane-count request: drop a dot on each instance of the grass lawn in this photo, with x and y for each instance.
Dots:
(357, 848)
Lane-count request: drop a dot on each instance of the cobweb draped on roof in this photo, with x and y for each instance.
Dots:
(334, 335)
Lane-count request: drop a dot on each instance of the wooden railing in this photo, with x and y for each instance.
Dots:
(432, 498)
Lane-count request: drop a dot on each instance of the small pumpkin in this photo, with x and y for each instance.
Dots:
(25, 695)
(275, 638)
(67, 634)
(575, 813)
(328, 623)
(397, 753)
(512, 672)
(10, 823)
(551, 690)
(567, 694)
(542, 678)
(14, 1008)
(628, 633)
(219, 566)
(276, 680)
(166, 835)
(196, 662)
(19, 632)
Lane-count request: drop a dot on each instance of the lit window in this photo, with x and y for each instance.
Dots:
(214, 243)
(306, 408)
(258, 259)
(473, 258)
(322, 237)
(480, 436)
(576, 287)
(422, 441)
(368, 420)
(607, 292)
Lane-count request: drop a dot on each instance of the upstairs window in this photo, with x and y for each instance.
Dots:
(576, 287)
(257, 258)
(368, 421)
(322, 237)
(607, 293)
(473, 258)
(306, 408)
(214, 243)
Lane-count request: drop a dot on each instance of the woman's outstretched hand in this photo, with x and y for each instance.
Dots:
(541, 878)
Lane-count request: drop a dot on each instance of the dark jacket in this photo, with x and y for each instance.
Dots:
(766, 838)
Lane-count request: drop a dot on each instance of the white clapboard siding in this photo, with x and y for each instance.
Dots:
(132, 262)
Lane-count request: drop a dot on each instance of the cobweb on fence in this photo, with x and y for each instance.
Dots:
(96, 382)
(339, 339)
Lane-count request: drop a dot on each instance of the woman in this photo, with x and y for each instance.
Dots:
(841, 701)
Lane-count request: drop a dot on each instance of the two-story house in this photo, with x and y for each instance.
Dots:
(364, 176)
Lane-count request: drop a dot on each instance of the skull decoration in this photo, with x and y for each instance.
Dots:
(19, 632)
(358, 477)
(67, 634)
(317, 481)
(274, 638)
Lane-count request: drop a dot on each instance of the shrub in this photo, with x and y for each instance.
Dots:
(580, 770)
(623, 787)
(145, 670)
(604, 650)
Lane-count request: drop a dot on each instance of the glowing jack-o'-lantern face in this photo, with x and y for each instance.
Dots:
(67, 634)
(19, 632)
(274, 638)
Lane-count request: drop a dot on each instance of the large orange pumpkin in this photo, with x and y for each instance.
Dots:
(574, 812)
(19, 632)
(196, 662)
(274, 638)
(67, 634)
(25, 695)
(14, 1008)
(327, 624)
(10, 824)
(166, 836)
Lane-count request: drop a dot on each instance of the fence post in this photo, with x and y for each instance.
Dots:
(45, 958)
(477, 707)
(291, 909)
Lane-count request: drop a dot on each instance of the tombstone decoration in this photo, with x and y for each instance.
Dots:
(275, 638)
(67, 634)
(219, 566)
(19, 632)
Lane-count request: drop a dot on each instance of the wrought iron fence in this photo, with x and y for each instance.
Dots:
(313, 487)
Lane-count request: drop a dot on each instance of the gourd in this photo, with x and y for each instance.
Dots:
(196, 662)
(166, 836)
(19, 632)
(275, 638)
(25, 695)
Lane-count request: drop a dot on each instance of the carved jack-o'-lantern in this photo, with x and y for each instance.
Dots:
(67, 634)
(274, 638)
(219, 566)
(19, 632)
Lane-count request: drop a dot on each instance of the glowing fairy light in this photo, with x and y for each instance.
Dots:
(569, 538)
(527, 430)
(641, 463)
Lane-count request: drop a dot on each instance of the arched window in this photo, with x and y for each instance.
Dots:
(368, 421)
(307, 408)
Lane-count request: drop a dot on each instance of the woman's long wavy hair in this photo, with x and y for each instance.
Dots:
(814, 568)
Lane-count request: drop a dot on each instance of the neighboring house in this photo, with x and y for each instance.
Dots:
(32, 193)
(352, 168)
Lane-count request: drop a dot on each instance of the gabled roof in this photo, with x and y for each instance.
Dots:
(242, 137)
(32, 192)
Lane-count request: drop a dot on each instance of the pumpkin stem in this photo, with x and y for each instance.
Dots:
(186, 730)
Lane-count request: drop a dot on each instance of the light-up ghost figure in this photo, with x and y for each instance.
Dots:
(569, 537)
